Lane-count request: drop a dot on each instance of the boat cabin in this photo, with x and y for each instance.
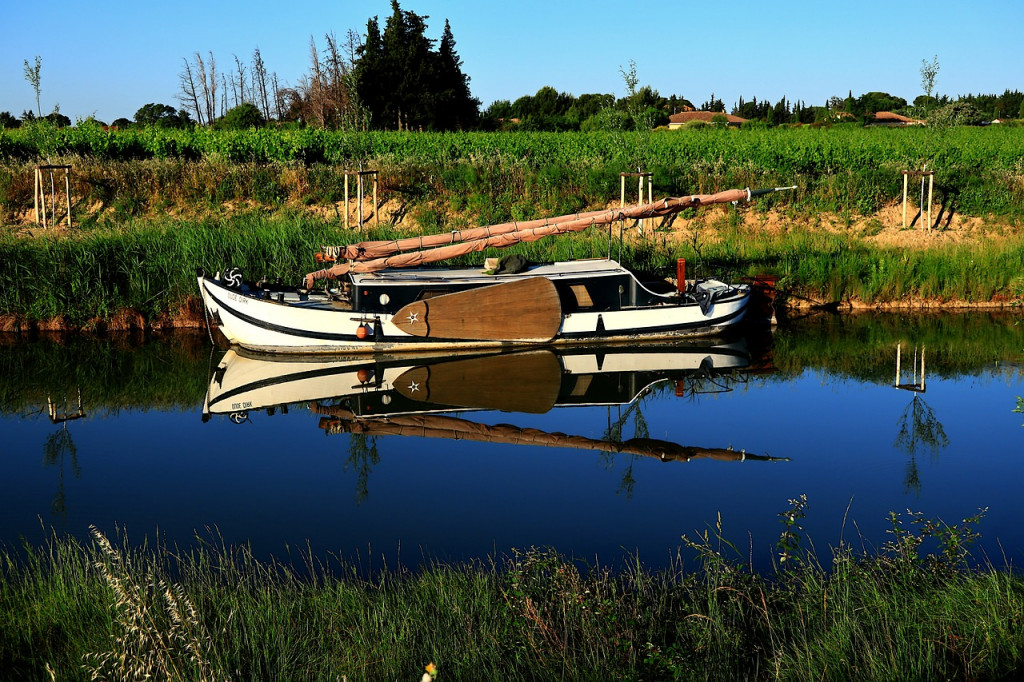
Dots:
(583, 286)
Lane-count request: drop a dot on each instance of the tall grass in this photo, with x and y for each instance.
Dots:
(215, 612)
(148, 266)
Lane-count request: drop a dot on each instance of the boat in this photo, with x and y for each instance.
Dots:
(430, 397)
(388, 299)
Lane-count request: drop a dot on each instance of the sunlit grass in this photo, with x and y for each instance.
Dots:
(148, 266)
(215, 612)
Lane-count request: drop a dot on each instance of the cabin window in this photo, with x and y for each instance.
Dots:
(431, 293)
(582, 296)
(582, 384)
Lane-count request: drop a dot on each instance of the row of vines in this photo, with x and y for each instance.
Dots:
(980, 171)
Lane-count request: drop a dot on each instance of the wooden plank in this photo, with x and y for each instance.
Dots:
(521, 310)
(521, 382)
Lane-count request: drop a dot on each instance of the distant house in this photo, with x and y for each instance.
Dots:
(887, 118)
(684, 117)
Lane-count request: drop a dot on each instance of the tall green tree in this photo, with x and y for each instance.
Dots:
(454, 106)
(929, 70)
(369, 72)
(32, 75)
(408, 61)
(160, 115)
(407, 85)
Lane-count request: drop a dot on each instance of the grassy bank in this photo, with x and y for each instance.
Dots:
(152, 205)
(493, 177)
(214, 612)
(88, 278)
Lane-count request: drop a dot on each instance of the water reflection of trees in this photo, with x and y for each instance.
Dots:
(613, 434)
(57, 447)
(362, 457)
(919, 431)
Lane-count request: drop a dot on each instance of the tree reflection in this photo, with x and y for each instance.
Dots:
(362, 457)
(613, 434)
(59, 445)
(919, 431)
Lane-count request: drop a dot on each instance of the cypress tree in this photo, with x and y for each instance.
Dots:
(455, 106)
(405, 83)
(368, 73)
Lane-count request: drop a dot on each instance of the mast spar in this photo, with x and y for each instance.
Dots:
(397, 253)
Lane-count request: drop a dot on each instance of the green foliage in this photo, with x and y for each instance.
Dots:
(32, 75)
(840, 169)
(955, 115)
(160, 115)
(405, 84)
(914, 606)
(246, 115)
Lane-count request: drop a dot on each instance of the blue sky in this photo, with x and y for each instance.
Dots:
(109, 60)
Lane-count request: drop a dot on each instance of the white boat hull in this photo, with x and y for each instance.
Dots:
(265, 324)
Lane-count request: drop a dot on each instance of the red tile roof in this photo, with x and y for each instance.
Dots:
(889, 117)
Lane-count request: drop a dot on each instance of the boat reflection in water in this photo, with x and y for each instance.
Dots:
(419, 396)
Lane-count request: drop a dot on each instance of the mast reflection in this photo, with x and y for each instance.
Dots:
(429, 397)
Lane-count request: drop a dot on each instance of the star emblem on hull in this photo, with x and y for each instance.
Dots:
(414, 387)
(414, 317)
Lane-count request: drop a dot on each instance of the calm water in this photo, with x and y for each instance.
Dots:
(599, 453)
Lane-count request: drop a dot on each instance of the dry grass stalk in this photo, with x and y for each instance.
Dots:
(158, 632)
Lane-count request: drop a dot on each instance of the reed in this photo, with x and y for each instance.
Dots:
(87, 279)
(215, 612)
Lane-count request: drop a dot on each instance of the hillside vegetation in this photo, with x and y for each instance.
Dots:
(151, 205)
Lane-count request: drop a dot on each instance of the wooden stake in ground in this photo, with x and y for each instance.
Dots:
(641, 177)
(360, 195)
(40, 193)
(921, 174)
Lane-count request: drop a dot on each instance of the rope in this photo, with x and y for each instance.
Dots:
(206, 317)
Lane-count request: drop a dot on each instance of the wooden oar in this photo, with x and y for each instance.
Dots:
(521, 310)
(521, 382)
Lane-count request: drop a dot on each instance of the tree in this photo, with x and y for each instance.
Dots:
(1009, 103)
(188, 97)
(259, 83)
(404, 83)
(327, 97)
(7, 120)
(781, 112)
(455, 108)
(956, 114)
(238, 80)
(638, 101)
(929, 70)
(56, 118)
(122, 123)
(713, 104)
(32, 76)
(159, 115)
(873, 102)
(198, 82)
(242, 117)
